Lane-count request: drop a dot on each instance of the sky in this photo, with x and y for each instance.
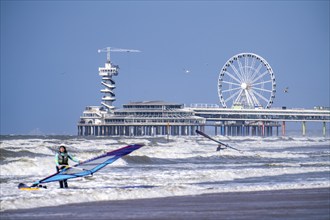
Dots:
(49, 58)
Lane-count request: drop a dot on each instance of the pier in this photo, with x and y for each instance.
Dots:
(152, 118)
(260, 122)
(246, 88)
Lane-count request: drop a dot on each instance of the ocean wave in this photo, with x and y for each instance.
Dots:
(5, 154)
(146, 160)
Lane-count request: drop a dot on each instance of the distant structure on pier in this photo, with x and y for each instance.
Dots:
(107, 72)
(140, 118)
(246, 89)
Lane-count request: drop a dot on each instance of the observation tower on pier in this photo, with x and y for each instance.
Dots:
(107, 72)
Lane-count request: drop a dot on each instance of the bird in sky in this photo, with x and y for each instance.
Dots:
(186, 70)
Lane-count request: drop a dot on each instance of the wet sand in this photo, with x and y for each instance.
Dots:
(280, 204)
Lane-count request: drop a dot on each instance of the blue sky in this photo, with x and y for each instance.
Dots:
(49, 59)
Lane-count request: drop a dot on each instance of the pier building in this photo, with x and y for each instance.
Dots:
(246, 92)
(140, 118)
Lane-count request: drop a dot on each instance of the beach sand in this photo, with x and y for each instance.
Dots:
(278, 204)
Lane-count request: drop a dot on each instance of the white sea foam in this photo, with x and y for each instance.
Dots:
(181, 166)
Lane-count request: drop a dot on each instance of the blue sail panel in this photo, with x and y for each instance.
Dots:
(90, 166)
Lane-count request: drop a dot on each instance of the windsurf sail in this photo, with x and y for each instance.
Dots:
(212, 139)
(90, 166)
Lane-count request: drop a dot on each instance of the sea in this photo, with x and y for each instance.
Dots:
(165, 166)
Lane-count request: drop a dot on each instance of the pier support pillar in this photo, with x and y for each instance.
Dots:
(303, 128)
(283, 128)
(263, 129)
(324, 128)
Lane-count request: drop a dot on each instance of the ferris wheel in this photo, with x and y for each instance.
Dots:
(246, 80)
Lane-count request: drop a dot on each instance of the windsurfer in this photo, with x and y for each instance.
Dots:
(219, 148)
(62, 160)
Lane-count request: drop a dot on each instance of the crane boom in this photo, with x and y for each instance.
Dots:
(110, 49)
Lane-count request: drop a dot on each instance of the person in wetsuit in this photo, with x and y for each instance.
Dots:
(62, 160)
(219, 148)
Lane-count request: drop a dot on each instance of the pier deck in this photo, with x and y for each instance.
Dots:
(161, 118)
